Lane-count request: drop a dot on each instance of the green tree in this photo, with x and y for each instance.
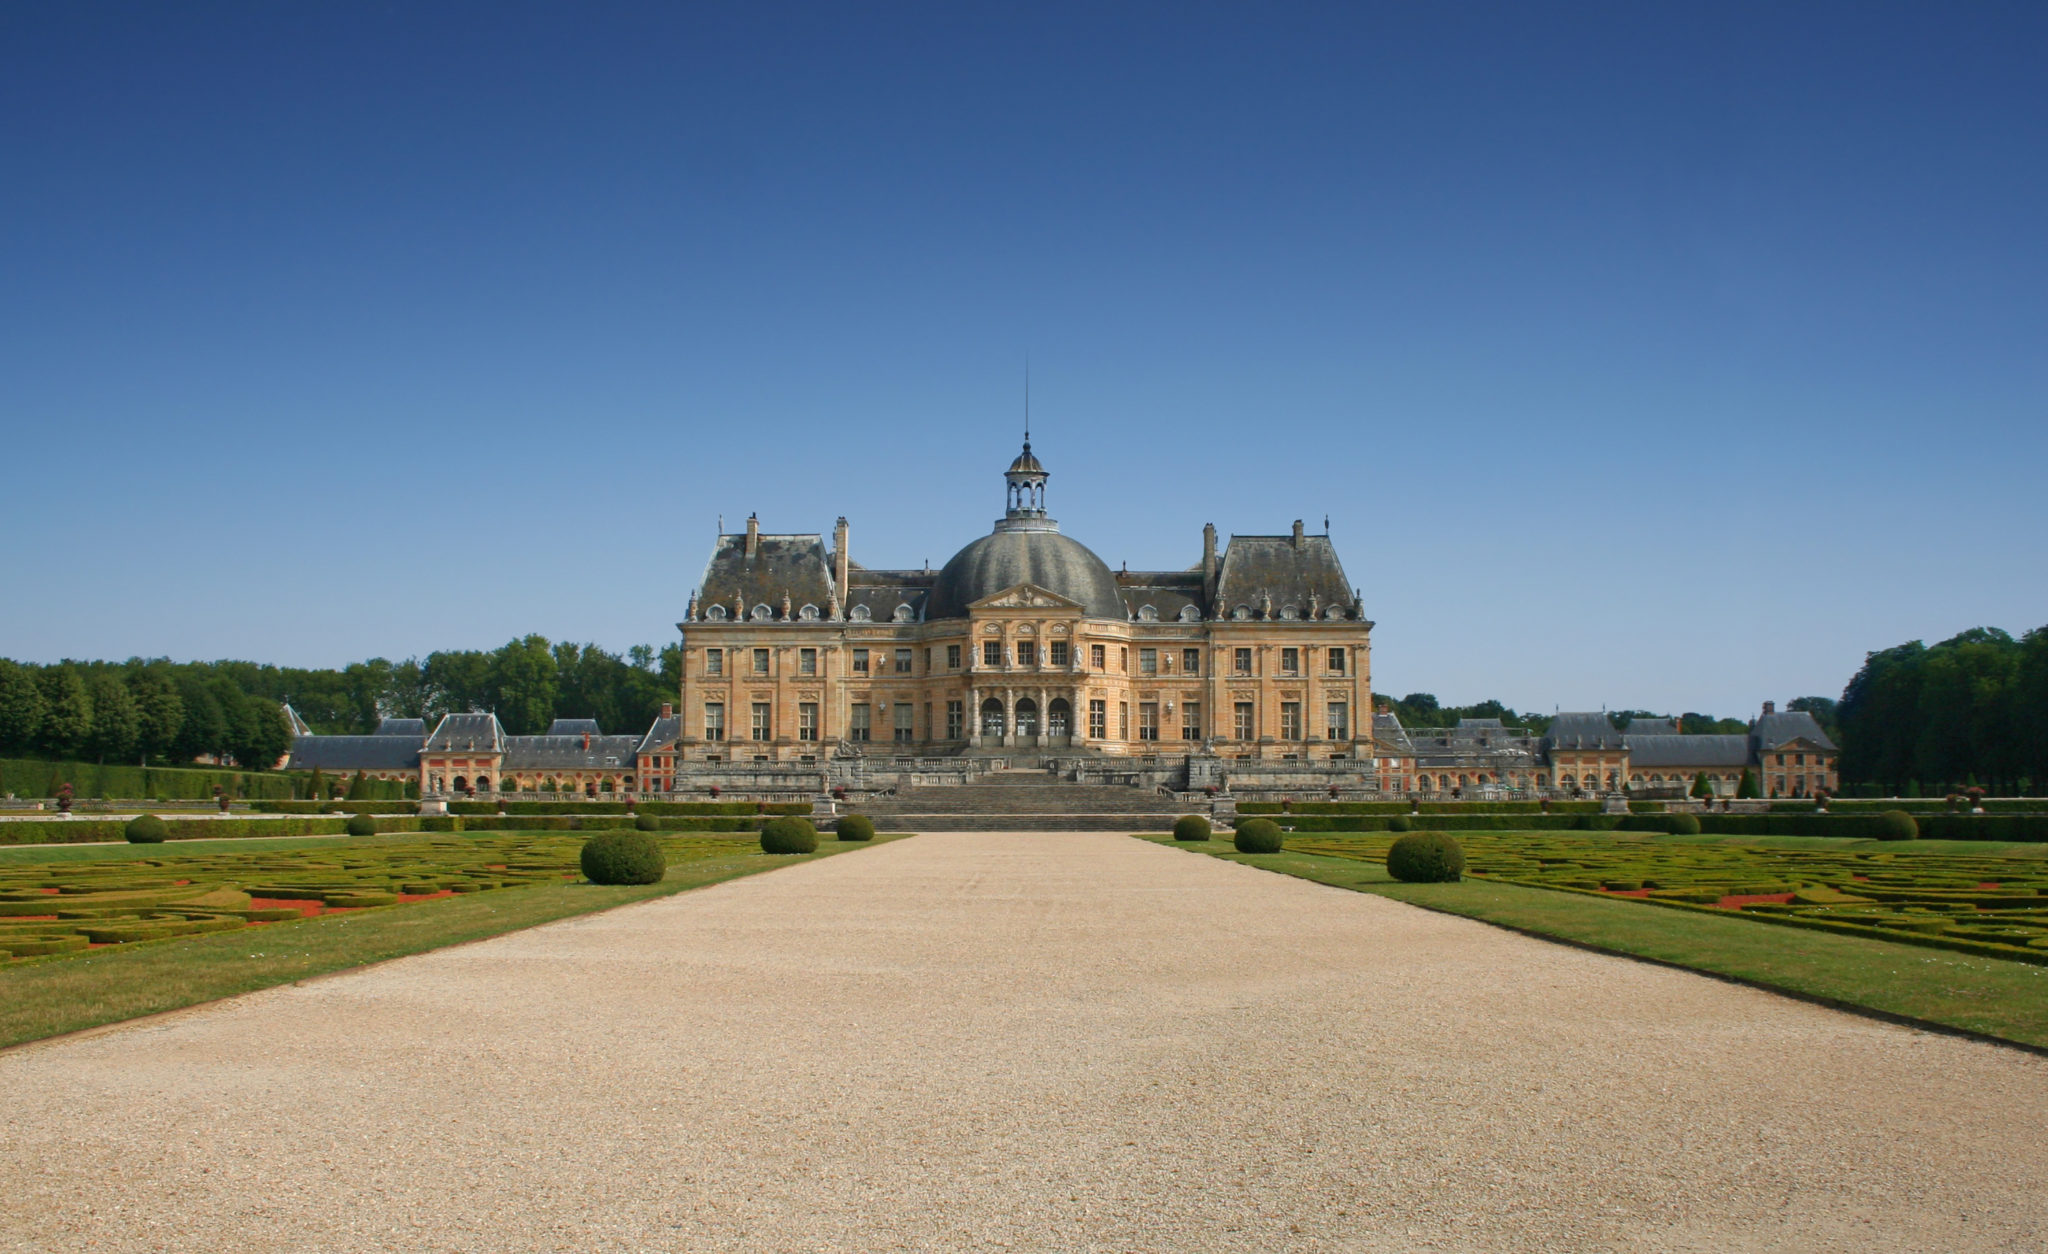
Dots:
(204, 731)
(257, 733)
(1749, 788)
(523, 674)
(1702, 786)
(67, 711)
(159, 712)
(1879, 713)
(115, 725)
(458, 681)
(21, 708)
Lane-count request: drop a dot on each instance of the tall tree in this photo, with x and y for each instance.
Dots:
(67, 711)
(21, 708)
(257, 733)
(115, 725)
(204, 730)
(523, 675)
(159, 712)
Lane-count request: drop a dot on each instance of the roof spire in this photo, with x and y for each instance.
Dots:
(1027, 402)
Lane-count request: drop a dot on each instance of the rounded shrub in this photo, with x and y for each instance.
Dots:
(1400, 823)
(1896, 825)
(146, 829)
(645, 823)
(1426, 858)
(788, 835)
(1684, 825)
(622, 856)
(1258, 836)
(1191, 827)
(361, 825)
(855, 827)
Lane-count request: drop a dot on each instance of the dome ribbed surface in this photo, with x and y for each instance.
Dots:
(1008, 558)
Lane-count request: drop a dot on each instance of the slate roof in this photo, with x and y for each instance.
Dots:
(564, 753)
(416, 728)
(1583, 731)
(1167, 592)
(1774, 730)
(466, 733)
(574, 727)
(354, 753)
(1388, 733)
(880, 599)
(1290, 572)
(297, 724)
(664, 733)
(1688, 752)
(1652, 727)
(1007, 557)
(791, 565)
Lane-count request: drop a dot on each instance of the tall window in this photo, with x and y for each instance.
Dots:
(1290, 720)
(1148, 720)
(714, 720)
(903, 712)
(806, 661)
(1336, 661)
(956, 718)
(807, 720)
(1096, 656)
(902, 661)
(952, 657)
(1290, 661)
(991, 653)
(1191, 661)
(860, 722)
(1123, 660)
(1061, 653)
(1241, 662)
(1123, 720)
(1027, 653)
(1247, 721)
(1191, 720)
(1148, 661)
(1098, 720)
(760, 661)
(927, 660)
(714, 661)
(1340, 721)
(764, 721)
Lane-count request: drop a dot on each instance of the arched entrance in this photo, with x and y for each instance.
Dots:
(1059, 718)
(993, 723)
(1027, 717)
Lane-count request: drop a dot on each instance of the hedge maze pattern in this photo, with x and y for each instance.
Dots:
(63, 907)
(1983, 903)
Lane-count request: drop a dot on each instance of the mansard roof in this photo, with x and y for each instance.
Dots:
(354, 753)
(1652, 727)
(792, 566)
(1583, 730)
(574, 727)
(1688, 752)
(1167, 592)
(413, 727)
(663, 734)
(565, 753)
(1775, 730)
(1290, 570)
(467, 733)
(1387, 730)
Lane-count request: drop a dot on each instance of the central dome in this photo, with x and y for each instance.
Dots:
(1010, 557)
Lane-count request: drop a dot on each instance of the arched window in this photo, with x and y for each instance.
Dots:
(761, 613)
(1289, 613)
(1189, 614)
(1146, 614)
(1242, 612)
(904, 614)
(993, 720)
(715, 614)
(808, 613)
(860, 614)
(1333, 614)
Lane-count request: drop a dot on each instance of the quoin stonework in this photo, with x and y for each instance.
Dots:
(803, 668)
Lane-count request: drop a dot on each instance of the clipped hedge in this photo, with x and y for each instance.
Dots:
(30, 777)
(360, 825)
(90, 831)
(855, 827)
(1257, 835)
(1426, 858)
(789, 834)
(1191, 827)
(1427, 807)
(146, 829)
(622, 857)
(1897, 825)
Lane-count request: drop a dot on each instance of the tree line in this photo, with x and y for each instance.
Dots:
(153, 710)
(1965, 712)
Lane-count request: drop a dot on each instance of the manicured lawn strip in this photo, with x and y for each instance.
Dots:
(1988, 996)
(45, 997)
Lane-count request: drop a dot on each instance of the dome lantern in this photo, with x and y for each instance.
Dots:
(1026, 478)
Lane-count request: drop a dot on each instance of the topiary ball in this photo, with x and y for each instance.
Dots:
(623, 857)
(855, 827)
(1400, 823)
(146, 829)
(1684, 825)
(789, 835)
(1258, 836)
(1896, 825)
(645, 823)
(1191, 827)
(1426, 858)
(361, 825)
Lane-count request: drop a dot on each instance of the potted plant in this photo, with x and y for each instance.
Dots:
(1545, 803)
(63, 798)
(1976, 796)
(1820, 801)
(1286, 805)
(1333, 792)
(713, 790)
(1209, 790)
(839, 792)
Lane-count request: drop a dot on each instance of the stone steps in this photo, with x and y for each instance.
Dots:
(1021, 801)
(1023, 822)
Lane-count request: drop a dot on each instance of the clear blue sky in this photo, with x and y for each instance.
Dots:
(1646, 355)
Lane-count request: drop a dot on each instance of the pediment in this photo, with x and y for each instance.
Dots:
(1026, 596)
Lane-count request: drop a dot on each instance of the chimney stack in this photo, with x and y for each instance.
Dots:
(753, 536)
(1770, 707)
(1209, 569)
(586, 742)
(1297, 533)
(841, 533)
(668, 709)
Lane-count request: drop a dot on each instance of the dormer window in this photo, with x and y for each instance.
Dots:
(860, 614)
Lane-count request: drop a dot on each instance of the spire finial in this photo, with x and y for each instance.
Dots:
(1027, 402)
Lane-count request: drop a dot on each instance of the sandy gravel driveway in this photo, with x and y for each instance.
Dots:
(1022, 1042)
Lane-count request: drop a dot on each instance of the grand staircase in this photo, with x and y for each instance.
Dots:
(1021, 801)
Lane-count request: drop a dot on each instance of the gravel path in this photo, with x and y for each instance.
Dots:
(1033, 1042)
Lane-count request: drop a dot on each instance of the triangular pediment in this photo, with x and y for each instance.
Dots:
(1026, 596)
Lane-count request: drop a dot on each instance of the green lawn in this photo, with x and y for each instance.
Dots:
(1994, 997)
(42, 997)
